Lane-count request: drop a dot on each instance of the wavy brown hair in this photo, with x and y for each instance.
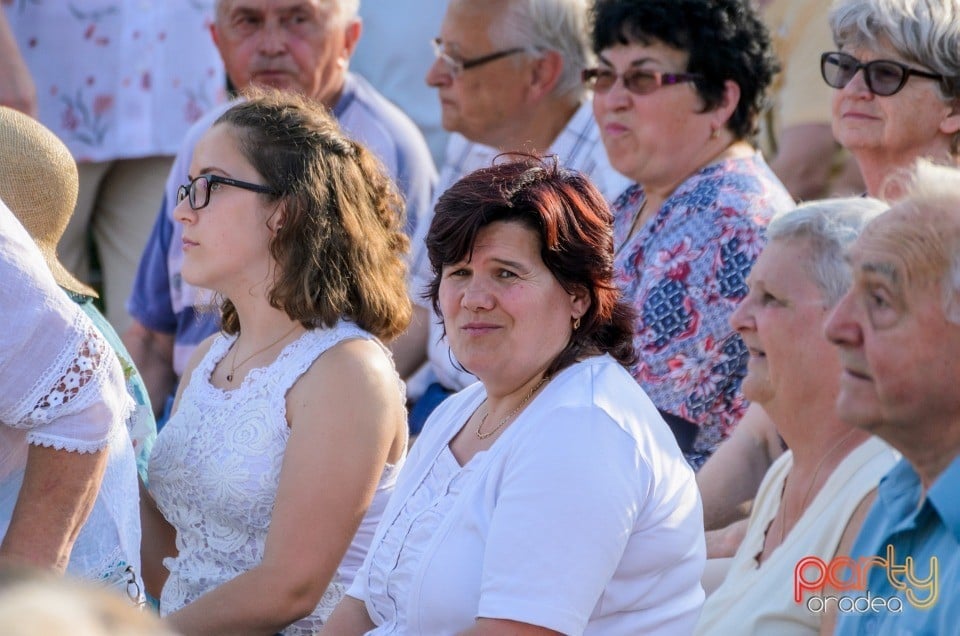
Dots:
(575, 228)
(339, 252)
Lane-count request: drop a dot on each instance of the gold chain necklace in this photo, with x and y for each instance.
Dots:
(235, 364)
(512, 413)
(813, 483)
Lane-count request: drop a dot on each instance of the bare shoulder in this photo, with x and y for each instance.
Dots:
(856, 522)
(351, 365)
(356, 387)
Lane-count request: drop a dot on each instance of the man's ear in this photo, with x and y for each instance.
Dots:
(351, 36)
(546, 73)
(215, 36)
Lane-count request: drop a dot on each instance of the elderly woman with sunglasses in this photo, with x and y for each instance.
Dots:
(897, 75)
(678, 91)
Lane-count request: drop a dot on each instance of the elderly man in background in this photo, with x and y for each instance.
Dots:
(507, 74)
(898, 331)
(297, 45)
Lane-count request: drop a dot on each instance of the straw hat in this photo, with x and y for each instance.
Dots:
(39, 183)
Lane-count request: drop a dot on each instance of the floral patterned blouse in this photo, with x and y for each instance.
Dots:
(684, 272)
(119, 79)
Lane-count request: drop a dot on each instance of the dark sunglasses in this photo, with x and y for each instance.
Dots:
(638, 82)
(882, 77)
(198, 190)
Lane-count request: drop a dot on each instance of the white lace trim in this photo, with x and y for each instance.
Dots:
(83, 374)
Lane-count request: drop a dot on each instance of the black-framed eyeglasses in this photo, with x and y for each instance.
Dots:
(637, 81)
(456, 66)
(882, 77)
(198, 190)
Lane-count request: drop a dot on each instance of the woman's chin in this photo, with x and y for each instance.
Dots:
(195, 279)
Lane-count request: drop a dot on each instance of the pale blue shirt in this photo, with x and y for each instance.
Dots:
(921, 529)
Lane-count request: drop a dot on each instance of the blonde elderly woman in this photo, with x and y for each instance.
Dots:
(38, 181)
(813, 498)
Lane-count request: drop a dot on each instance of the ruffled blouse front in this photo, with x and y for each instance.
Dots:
(398, 555)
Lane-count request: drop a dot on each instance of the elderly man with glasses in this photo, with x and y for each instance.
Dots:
(297, 45)
(508, 77)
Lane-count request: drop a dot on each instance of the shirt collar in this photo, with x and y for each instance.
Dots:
(347, 95)
(943, 497)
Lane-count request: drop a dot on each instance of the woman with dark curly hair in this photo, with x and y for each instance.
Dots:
(289, 428)
(677, 94)
(550, 496)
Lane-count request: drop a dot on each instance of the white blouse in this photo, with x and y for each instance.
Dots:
(583, 517)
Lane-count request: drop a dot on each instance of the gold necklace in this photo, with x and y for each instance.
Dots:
(233, 367)
(512, 413)
(813, 483)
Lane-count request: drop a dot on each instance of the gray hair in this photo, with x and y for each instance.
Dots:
(550, 25)
(348, 9)
(934, 187)
(922, 31)
(829, 226)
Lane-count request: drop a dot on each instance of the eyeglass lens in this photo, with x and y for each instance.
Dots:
(198, 191)
(637, 82)
(441, 55)
(882, 77)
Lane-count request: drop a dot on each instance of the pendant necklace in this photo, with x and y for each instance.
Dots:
(235, 364)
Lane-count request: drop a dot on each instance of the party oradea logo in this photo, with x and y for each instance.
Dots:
(842, 583)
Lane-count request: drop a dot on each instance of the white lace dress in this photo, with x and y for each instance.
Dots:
(216, 466)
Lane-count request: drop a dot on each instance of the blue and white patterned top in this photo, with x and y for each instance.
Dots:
(684, 272)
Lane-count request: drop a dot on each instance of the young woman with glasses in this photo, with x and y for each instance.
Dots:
(677, 95)
(897, 75)
(289, 427)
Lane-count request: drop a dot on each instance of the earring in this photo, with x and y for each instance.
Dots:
(714, 133)
(576, 324)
